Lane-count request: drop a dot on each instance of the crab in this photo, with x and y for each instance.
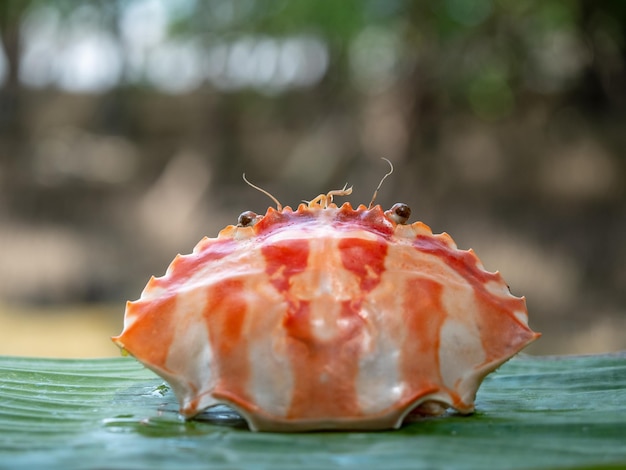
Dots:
(326, 317)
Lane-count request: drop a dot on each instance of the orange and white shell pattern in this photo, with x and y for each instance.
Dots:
(326, 317)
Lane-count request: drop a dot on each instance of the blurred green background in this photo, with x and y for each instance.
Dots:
(125, 127)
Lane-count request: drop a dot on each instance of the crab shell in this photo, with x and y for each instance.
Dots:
(326, 318)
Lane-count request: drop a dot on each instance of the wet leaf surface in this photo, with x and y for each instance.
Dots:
(563, 412)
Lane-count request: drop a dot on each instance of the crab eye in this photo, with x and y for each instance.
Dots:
(247, 219)
(399, 213)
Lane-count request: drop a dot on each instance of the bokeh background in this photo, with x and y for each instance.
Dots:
(126, 125)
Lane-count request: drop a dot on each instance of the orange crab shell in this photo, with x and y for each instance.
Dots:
(326, 318)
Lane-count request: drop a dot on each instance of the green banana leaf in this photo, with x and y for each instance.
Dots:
(564, 412)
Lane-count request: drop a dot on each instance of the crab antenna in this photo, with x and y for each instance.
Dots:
(279, 206)
(381, 183)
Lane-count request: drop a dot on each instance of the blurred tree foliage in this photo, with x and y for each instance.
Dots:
(501, 116)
